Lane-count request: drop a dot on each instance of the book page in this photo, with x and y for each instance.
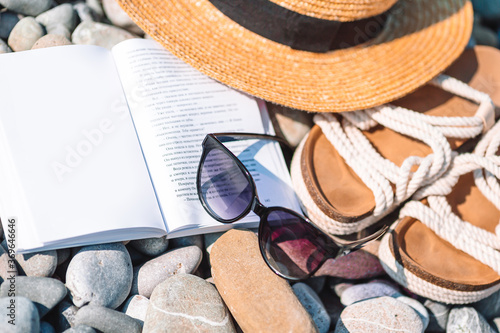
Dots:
(173, 107)
(74, 163)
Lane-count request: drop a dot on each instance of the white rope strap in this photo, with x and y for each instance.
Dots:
(438, 215)
(377, 172)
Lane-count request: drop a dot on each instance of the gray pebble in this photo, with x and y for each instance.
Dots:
(80, 329)
(44, 292)
(364, 291)
(27, 7)
(26, 32)
(63, 254)
(106, 320)
(84, 12)
(61, 15)
(489, 307)
(438, 315)
(313, 305)
(23, 313)
(136, 307)
(41, 264)
(381, 314)
(137, 257)
(45, 327)
(65, 313)
(119, 17)
(100, 275)
(187, 303)
(155, 271)
(187, 241)
(7, 22)
(96, 7)
(151, 246)
(418, 307)
(467, 319)
(93, 33)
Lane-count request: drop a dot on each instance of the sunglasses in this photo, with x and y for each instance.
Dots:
(291, 245)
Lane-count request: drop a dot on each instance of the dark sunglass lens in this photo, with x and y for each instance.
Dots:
(292, 246)
(224, 187)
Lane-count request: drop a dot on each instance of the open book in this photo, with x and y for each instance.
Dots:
(101, 146)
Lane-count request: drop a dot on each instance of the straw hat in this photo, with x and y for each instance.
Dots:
(411, 42)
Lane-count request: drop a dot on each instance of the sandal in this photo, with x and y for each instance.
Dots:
(354, 168)
(447, 247)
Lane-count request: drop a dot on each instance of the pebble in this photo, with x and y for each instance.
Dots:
(379, 314)
(94, 33)
(25, 33)
(61, 15)
(106, 320)
(419, 309)
(151, 246)
(360, 292)
(84, 12)
(45, 327)
(467, 319)
(210, 239)
(42, 264)
(149, 275)
(44, 292)
(96, 7)
(26, 317)
(357, 265)
(438, 315)
(27, 7)
(489, 307)
(313, 305)
(137, 257)
(136, 307)
(111, 264)
(64, 314)
(187, 303)
(258, 299)
(80, 329)
(187, 241)
(7, 22)
(118, 17)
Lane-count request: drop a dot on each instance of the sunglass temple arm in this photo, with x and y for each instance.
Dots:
(351, 246)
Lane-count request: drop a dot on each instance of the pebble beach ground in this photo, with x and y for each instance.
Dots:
(206, 283)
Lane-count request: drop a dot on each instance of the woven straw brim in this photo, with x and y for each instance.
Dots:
(337, 10)
(423, 287)
(419, 40)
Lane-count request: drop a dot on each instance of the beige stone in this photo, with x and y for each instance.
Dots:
(259, 300)
(51, 40)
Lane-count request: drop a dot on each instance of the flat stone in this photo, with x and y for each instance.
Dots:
(187, 303)
(150, 274)
(61, 15)
(381, 314)
(27, 7)
(51, 40)
(45, 327)
(438, 315)
(25, 315)
(489, 307)
(65, 313)
(111, 264)
(136, 307)
(467, 319)
(80, 329)
(25, 33)
(151, 246)
(106, 320)
(418, 307)
(119, 17)
(187, 241)
(41, 264)
(258, 299)
(312, 303)
(360, 292)
(93, 33)
(357, 265)
(8, 20)
(44, 292)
